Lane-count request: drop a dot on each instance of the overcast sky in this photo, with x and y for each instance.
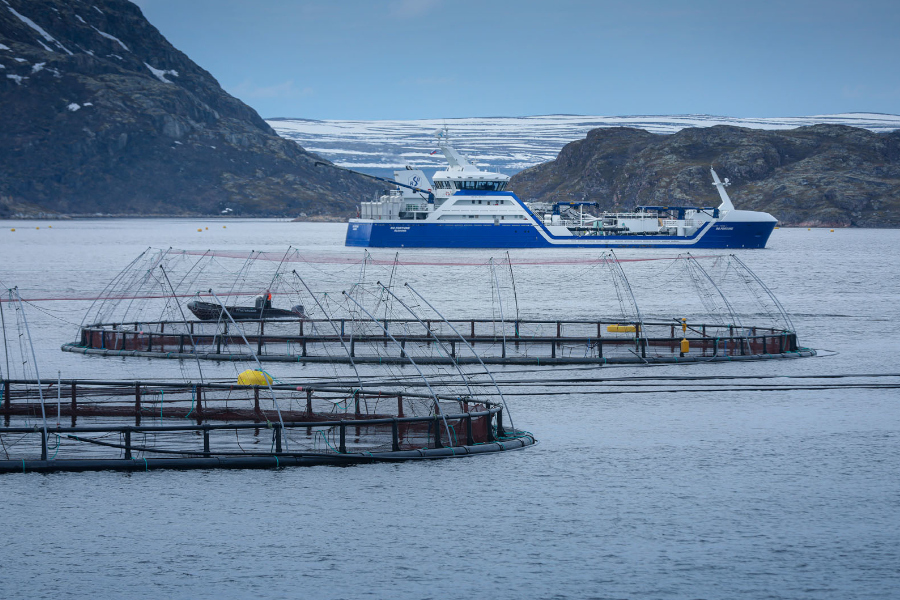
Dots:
(407, 59)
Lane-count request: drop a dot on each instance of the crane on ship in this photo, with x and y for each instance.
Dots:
(383, 179)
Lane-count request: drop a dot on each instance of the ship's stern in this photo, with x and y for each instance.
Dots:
(359, 233)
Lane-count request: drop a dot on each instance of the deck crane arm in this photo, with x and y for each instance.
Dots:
(376, 178)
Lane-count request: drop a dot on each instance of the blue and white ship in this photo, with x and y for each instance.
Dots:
(466, 207)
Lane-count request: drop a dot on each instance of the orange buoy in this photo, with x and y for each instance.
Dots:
(200, 230)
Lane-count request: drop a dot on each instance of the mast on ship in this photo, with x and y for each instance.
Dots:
(456, 160)
(720, 186)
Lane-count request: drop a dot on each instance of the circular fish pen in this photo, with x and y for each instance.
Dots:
(217, 306)
(138, 426)
(519, 342)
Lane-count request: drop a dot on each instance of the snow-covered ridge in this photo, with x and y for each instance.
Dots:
(509, 144)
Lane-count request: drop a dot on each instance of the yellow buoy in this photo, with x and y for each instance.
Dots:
(223, 227)
(251, 377)
(207, 228)
(809, 229)
(685, 346)
(51, 227)
(37, 227)
(200, 230)
(620, 328)
(832, 231)
(13, 229)
(778, 228)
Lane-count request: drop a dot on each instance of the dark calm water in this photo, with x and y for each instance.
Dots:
(654, 495)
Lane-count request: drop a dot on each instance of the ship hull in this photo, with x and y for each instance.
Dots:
(406, 234)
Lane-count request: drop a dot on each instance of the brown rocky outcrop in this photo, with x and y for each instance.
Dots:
(822, 175)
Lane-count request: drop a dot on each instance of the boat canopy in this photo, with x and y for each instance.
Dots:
(681, 210)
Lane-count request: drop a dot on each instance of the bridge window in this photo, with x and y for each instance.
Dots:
(480, 186)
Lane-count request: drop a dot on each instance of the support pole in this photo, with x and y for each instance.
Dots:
(437, 433)
(137, 404)
(74, 402)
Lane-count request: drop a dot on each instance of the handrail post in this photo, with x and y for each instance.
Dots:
(6, 399)
(470, 439)
(490, 429)
(500, 430)
(399, 405)
(206, 440)
(395, 435)
(276, 431)
(342, 448)
(356, 403)
(309, 410)
(128, 444)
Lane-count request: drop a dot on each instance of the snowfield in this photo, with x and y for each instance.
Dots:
(509, 144)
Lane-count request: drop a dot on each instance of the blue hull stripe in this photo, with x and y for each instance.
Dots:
(419, 234)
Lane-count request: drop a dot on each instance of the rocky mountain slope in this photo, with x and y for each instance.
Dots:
(821, 175)
(100, 114)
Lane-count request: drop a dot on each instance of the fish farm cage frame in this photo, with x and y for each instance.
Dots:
(476, 428)
(519, 342)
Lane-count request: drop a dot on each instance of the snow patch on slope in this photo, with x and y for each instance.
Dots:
(161, 74)
(37, 28)
(111, 37)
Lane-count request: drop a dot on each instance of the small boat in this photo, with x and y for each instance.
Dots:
(261, 311)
